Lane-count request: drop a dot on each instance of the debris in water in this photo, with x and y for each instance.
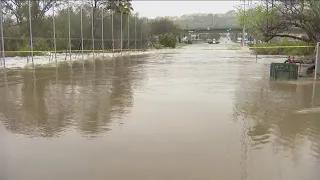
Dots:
(308, 110)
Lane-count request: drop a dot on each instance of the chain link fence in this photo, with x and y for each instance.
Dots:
(67, 30)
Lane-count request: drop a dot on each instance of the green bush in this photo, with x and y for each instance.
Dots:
(158, 46)
(168, 40)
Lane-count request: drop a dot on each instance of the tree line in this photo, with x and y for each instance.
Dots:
(16, 29)
(204, 20)
(97, 19)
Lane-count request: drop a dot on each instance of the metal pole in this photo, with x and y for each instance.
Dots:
(54, 33)
(69, 30)
(2, 39)
(317, 63)
(120, 27)
(112, 32)
(135, 32)
(147, 39)
(102, 38)
(30, 29)
(92, 34)
(141, 24)
(121, 38)
(128, 32)
(244, 26)
(313, 94)
(81, 24)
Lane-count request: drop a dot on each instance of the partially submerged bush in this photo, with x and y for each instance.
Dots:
(168, 40)
(158, 46)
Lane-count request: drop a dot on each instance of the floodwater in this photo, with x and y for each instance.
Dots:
(190, 113)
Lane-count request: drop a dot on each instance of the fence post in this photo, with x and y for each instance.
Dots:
(81, 29)
(30, 29)
(317, 63)
(121, 33)
(148, 33)
(69, 33)
(54, 33)
(112, 32)
(135, 32)
(102, 38)
(128, 31)
(92, 33)
(3, 62)
(141, 24)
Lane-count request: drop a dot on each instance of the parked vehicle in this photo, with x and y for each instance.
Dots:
(184, 40)
(209, 41)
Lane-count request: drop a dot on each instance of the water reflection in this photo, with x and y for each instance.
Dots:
(88, 99)
(269, 111)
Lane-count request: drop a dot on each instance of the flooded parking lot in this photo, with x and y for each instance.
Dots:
(190, 113)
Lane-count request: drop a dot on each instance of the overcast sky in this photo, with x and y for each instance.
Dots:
(152, 9)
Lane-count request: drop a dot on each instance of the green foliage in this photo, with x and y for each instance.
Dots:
(162, 26)
(257, 20)
(292, 51)
(123, 6)
(16, 26)
(267, 20)
(168, 40)
(158, 46)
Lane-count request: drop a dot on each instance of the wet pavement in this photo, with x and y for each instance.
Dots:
(193, 113)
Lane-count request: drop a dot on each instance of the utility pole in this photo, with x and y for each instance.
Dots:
(3, 62)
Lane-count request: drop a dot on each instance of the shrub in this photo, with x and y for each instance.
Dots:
(158, 46)
(168, 40)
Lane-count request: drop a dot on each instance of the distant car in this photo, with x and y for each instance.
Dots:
(209, 41)
(184, 40)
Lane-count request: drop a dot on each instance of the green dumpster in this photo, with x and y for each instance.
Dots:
(283, 71)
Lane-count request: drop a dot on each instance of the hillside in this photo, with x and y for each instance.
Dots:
(190, 21)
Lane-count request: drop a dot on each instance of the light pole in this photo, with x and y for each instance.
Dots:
(3, 62)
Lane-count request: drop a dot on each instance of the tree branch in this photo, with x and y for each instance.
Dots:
(269, 37)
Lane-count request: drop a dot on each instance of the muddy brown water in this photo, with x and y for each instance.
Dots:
(190, 113)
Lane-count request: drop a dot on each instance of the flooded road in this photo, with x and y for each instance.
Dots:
(191, 113)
